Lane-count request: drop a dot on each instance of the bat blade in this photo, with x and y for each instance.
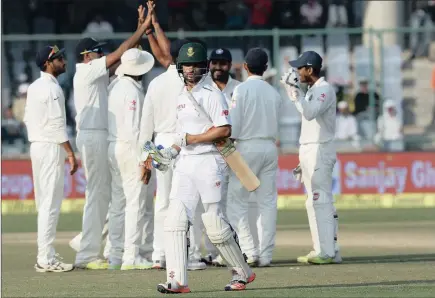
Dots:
(238, 165)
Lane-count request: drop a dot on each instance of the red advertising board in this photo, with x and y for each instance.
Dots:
(364, 173)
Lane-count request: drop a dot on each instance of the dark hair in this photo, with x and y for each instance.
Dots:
(259, 71)
(316, 71)
(80, 58)
(43, 67)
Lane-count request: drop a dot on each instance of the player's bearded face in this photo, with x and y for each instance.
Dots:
(59, 65)
(220, 70)
(193, 73)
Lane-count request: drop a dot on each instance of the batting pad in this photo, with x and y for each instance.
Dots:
(222, 235)
(176, 242)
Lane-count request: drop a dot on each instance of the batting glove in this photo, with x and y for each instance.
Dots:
(292, 84)
(162, 156)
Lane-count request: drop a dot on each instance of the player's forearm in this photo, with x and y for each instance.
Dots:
(212, 135)
(162, 40)
(308, 111)
(68, 149)
(158, 52)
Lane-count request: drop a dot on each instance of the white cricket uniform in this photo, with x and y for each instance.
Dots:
(317, 156)
(255, 113)
(159, 118)
(196, 233)
(46, 126)
(127, 210)
(200, 169)
(91, 81)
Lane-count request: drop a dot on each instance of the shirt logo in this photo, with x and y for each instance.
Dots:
(225, 113)
(56, 98)
(322, 97)
(180, 107)
(132, 105)
(190, 52)
(219, 51)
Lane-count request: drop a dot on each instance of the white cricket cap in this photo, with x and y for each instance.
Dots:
(342, 105)
(389, 103)
(135, 62)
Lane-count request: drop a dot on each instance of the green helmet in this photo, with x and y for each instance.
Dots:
(192, 52)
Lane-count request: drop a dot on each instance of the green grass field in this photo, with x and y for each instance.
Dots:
(387, 253)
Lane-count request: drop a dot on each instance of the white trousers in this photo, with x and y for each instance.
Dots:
(198, 176)
(146, 247)
(317, 163)
(128, 208)
(48, 167)
(164, 184)
(262, 158)
(92, 145)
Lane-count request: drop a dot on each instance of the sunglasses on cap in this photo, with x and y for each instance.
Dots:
(54, 51)
(96, 50)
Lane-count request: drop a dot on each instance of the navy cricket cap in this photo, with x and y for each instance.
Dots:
(87, 45)
(308, 58)
(176, 46)
(221, 54)
(48, 53)
(256, 58)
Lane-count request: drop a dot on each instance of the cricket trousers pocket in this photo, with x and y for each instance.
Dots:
(92, 145)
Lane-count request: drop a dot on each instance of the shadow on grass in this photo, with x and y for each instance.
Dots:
(371, 259)
(364, 284)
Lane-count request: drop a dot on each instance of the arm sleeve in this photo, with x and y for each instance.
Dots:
(236, 113)
(56, 116)
(97, 69)
(218, 109)
(321, 100)
(147, 121)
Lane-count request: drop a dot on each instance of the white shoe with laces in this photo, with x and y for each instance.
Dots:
(54, 265)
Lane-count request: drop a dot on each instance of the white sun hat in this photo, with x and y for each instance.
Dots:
(135, 62)
(342, 105)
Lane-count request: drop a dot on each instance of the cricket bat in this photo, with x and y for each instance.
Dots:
(232, 157)
(238, 165)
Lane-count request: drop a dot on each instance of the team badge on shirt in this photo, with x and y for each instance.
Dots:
(132, 105)
(322, 97)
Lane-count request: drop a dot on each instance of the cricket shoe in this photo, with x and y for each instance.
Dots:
(138, 264)
(115, 264)
(196, 265)
(208, 259)
(263, 263)
(98, 264)
(172, 287)
(54, 265)
(238, 283)
(312, 255)
(159, 264)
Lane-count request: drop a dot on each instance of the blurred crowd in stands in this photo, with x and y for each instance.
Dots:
(355, 124)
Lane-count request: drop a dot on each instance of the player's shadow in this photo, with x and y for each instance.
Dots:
(351, 285)
(370, 259)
